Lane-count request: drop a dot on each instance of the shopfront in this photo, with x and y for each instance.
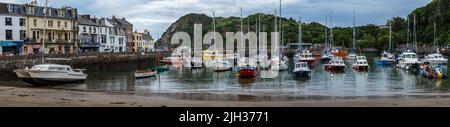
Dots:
(11, 47)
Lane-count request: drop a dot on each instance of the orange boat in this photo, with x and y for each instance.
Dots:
(340, 53)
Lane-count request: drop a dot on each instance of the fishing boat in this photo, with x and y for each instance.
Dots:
(408, 60)
(361, 64)
(435, 59)
(428, 71)
(336, 64)
(385, 59)
(326, 57)
(307, 57)
(247, 68)
(301, 70)
(144, 74)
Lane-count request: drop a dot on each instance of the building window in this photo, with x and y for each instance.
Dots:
(38, 34)
(120, 40)
(90, 29)
(14, 9)
(34, 35)
(22, 22)
(9, 35)
(22, 34)
(50, 23)
(65, 24)
(34, 22)
(66, 36)
(84, 29)
(95, 30)
(59, 24)
(8, 21)
(49, 36)
(112, 40)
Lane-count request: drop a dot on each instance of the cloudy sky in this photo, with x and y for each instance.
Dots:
(157, 15)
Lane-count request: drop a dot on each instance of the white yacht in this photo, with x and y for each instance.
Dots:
(435, 59)
(52, 73)
(221, 65)
(408, 60)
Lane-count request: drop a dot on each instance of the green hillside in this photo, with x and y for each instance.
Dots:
(370, 35)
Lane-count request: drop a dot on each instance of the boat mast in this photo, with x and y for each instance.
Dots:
(390, 35)
(45, 26)
(408, 34)
(281, 31)
(354, 31)
(331, 32)
(242, 32)
(276, 31)
(326, 32)
(415, 33)
(300, 32)
(435, 42)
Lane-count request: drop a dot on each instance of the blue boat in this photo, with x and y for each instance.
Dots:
(385, 60)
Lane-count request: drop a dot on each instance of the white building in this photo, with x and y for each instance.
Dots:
(116, 39)
(12, 29)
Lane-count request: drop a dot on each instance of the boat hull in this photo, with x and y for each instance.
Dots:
(144, 75)
(383, 62)
(53, 76)
(302, 74)
(334, 68)
(361, 68)
(247, 73)
(310, 62)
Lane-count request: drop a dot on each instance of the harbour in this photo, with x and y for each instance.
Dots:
(380, 82)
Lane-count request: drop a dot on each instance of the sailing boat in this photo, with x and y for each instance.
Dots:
(326, 54)
(50, 73)
(278, 61)
(246, 66)
(219, 64)
(435, 58)
(386, 57)
(408, 59)
(352, 55)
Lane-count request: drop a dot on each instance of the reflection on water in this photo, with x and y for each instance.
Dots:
(206, 84)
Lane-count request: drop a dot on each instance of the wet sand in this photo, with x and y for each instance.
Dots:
(38, 97)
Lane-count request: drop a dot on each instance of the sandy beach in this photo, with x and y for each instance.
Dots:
(38, 97)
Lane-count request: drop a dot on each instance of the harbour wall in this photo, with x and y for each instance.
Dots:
(8, 64)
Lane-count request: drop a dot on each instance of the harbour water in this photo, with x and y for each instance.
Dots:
(205, 84)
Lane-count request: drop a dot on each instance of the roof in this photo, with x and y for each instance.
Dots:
(4, 9)
(83, 21)
(124, 22)
(147, 36)
(39, 12)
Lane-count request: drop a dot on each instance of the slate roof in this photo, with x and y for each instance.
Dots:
(4, 9)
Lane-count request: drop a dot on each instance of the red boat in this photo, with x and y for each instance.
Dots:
(248, 73)
(336, 64)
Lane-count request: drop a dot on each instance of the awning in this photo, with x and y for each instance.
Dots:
(11, 43)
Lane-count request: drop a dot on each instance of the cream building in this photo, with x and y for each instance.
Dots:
(61, 29)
